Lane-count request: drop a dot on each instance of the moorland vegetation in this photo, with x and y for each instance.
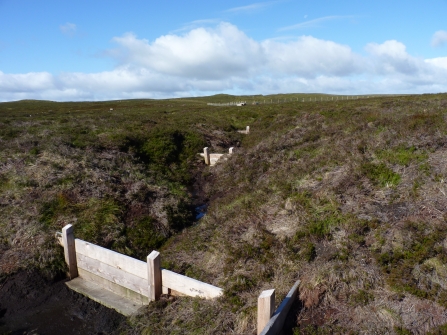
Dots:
(347, 196)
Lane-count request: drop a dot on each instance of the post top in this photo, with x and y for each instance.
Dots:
(68, 228)
(266, 293)
(154, 254)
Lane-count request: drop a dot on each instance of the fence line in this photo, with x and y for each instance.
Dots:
(277, 101)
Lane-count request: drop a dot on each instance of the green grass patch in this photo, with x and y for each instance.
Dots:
(380, 174)
(402, 155)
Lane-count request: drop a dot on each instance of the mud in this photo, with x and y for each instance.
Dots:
(31, 304)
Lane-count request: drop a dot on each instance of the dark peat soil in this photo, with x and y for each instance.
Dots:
(31, 304)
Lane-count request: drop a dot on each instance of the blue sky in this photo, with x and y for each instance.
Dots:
(99, 50)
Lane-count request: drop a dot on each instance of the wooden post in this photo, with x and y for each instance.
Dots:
(70, 250)
(207, 155)
(276, 322)
(266, 307)
(154, 275)
(247, 129)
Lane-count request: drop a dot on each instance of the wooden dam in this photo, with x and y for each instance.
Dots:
(122, 282)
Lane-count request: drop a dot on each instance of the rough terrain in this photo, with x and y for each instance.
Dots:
(349, 197)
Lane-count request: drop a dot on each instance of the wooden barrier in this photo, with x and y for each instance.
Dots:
(211, 159)
(246, 131)
(276, 322)
(125, 276)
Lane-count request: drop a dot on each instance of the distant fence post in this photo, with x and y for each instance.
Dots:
(266, 307)
(154, 275)
(247, 129)
(70, 250)
(206, 155)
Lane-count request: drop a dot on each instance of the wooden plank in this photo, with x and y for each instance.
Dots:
(154, 275)
(122, 291)
(189, 286)
(104, 297)
(266, 307)
(112, 258)
(274, 326)
(113, 274)
(69, 250)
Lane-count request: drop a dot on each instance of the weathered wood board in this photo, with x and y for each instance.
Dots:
(112, 258)
(104, 297)
(189, 286)
(113, 274)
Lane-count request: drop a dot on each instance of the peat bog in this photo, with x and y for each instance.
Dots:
(348, 196)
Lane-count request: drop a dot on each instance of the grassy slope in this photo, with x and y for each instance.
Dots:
(347, 196)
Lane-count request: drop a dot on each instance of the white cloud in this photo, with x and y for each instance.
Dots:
(201, 53)
(391, 56)
(439, 38)
(310, 57)
(227, 52)
(439, 62)
(33, 81)
(68, 29)
(224, 59)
